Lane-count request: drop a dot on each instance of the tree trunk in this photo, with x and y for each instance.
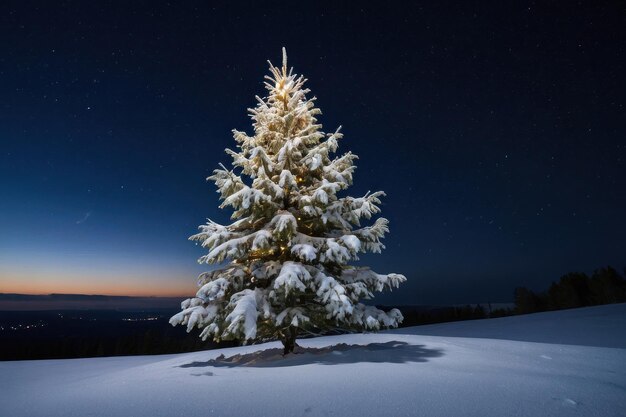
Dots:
(289, 342)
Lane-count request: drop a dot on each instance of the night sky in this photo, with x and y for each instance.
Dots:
(497, 130)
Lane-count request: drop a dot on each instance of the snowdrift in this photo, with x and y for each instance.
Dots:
(566, 363)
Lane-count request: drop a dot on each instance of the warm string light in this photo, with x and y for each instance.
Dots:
(281, 90)
(257, 254)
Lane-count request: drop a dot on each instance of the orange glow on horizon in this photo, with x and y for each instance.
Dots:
(20, 283)
(89, 291)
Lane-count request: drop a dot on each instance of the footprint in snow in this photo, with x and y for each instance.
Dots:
(566, 402)
(569, 402)
(209, 373)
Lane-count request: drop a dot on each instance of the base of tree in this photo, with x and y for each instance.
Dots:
(289, 341)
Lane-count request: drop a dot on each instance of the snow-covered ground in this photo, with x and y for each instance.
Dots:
(566, 363)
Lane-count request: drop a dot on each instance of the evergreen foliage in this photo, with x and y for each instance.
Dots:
(283, 264)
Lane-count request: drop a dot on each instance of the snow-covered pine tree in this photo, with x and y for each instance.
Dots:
(283, 264)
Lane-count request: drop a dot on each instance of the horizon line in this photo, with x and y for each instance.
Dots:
(93, 295)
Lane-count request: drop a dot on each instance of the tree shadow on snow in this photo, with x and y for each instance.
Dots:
(389, 352)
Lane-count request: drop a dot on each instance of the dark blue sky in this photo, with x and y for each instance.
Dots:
(497, 130)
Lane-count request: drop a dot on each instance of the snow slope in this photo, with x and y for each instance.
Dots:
(580, 370)
(603, 326)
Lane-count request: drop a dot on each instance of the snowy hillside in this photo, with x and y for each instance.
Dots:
(480, 368)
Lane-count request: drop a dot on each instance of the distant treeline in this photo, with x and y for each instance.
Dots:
(575, 289)
(420, 315)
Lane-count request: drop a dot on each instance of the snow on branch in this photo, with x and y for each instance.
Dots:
(242, 319)
(373, 280)
(284, 225)
(292, 277)
(371, 235)
(304, 252)
(332, 295)
(374, 318)
(213, 290)
(292, 316)
(233, 248)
